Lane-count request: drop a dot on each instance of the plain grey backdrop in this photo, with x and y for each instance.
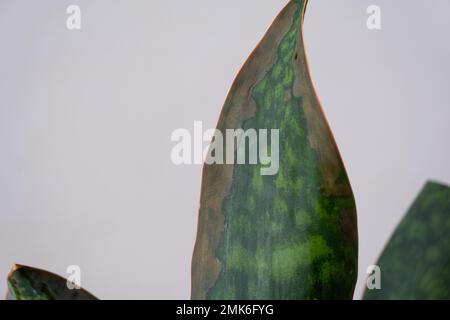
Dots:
(86, 118)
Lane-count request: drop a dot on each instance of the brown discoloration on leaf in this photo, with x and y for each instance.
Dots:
(349, 225)
(322, 140)
(320, 136)
(217, 179)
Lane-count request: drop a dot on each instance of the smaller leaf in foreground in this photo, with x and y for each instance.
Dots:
(415, 265)
(26, 283)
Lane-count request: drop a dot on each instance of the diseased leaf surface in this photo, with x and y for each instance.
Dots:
(292, 235)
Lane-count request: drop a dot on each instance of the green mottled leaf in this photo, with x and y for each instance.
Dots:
(25, 283)
(293, 234)
(415, 265)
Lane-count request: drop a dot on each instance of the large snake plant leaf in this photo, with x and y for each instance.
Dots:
(415, 265)
(25, 283)
(293, 234)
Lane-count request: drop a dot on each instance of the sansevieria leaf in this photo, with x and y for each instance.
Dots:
(415, 265)
(25, 283)
(291, 234)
